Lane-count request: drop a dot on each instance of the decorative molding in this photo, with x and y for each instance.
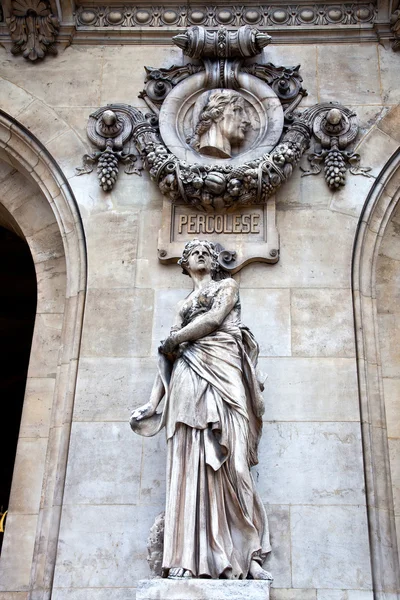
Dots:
(108, 129)
(33, 28)
(395, 28)
(261, 16)
(335, 127)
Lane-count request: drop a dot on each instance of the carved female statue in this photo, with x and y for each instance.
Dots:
(222, 123)
(215, 524)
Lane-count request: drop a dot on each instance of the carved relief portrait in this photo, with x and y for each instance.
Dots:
(221, 124)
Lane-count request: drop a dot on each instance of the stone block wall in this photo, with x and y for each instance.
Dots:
(311, 473)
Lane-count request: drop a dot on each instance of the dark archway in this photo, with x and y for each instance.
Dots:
(18, 295)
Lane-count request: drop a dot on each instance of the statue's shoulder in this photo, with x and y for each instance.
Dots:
(228, 284)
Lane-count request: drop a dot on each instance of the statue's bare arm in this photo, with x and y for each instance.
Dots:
(158, 391)
(208, 322)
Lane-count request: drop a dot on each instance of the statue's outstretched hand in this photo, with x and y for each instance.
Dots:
(169, 345)
(143, 412)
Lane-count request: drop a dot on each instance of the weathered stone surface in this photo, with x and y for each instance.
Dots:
(45, 345)
(17, 553)
(28, 475)
(320, 561)
(112, 243)
(289, 471)
(36, 413)
(357, 79)
(129, 311)
(165, 314)
(278, 562)
(310, 255)
(114, 552)
(391, 391)
(310, 389)
(96, 476)
(202, 589)
(267, 312)
(109, 388)
(322, 322)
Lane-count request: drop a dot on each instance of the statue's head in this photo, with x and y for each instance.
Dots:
(221, 124)
(199, 255)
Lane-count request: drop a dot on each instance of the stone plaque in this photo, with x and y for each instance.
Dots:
(246, 234)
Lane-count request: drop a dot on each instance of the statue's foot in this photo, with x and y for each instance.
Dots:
(257, 572)
(179, 573)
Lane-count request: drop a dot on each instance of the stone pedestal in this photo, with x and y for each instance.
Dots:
(202, 589)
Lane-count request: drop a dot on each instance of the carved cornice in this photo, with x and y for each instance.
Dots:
(395, 27)
(271, 16)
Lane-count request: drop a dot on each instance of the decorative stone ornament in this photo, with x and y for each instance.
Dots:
(33, 27)
(395, 27)
(108, 129)
(335, 128)
(222, 136)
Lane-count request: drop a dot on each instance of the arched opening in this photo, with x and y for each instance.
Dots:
(17, 317)
(373, 334)
(37, 202)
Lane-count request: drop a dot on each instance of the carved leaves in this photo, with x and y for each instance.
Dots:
(33, 28)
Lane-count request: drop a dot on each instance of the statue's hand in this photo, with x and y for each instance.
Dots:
(169, 345)
(143, 412)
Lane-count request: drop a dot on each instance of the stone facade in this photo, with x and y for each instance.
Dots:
(85, 490)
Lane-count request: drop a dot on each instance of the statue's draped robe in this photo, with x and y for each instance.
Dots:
(215, 523)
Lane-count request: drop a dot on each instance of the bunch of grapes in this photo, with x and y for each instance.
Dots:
(335, 169)
(107, 169)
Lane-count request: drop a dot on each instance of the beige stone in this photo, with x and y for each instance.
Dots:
(389, 328)
(114, 552)
(111, 243)
(376, 149)
(267, 313)
(310, 389)
(292, 594)
(357, 79)
(279, 560)
(43, 122)
(105, 593)
(28, 475)
(116, 87)
(34, 215)
(96, 475)
(66, 86)
(14, 98)
(165, 304)
(311, 254)
(336, 553)
(289, 469)
(16, 190)
(294, 54)
(51, 285)
(36, 413)
(390, 124)
(387, 66)
(204, 589)
(17, 552)
(152, 483)
(322, 323)
(45, 345)
(118, 323)
(391, 390)
(67, 148)
(394, 454)
(108, 389)
(46, 244)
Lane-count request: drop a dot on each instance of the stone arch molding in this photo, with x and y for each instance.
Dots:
(378, 209)
(37, 201)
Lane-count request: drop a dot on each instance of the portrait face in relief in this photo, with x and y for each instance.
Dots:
(221, 124)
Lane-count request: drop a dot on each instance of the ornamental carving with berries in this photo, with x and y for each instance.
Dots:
(222, 133)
